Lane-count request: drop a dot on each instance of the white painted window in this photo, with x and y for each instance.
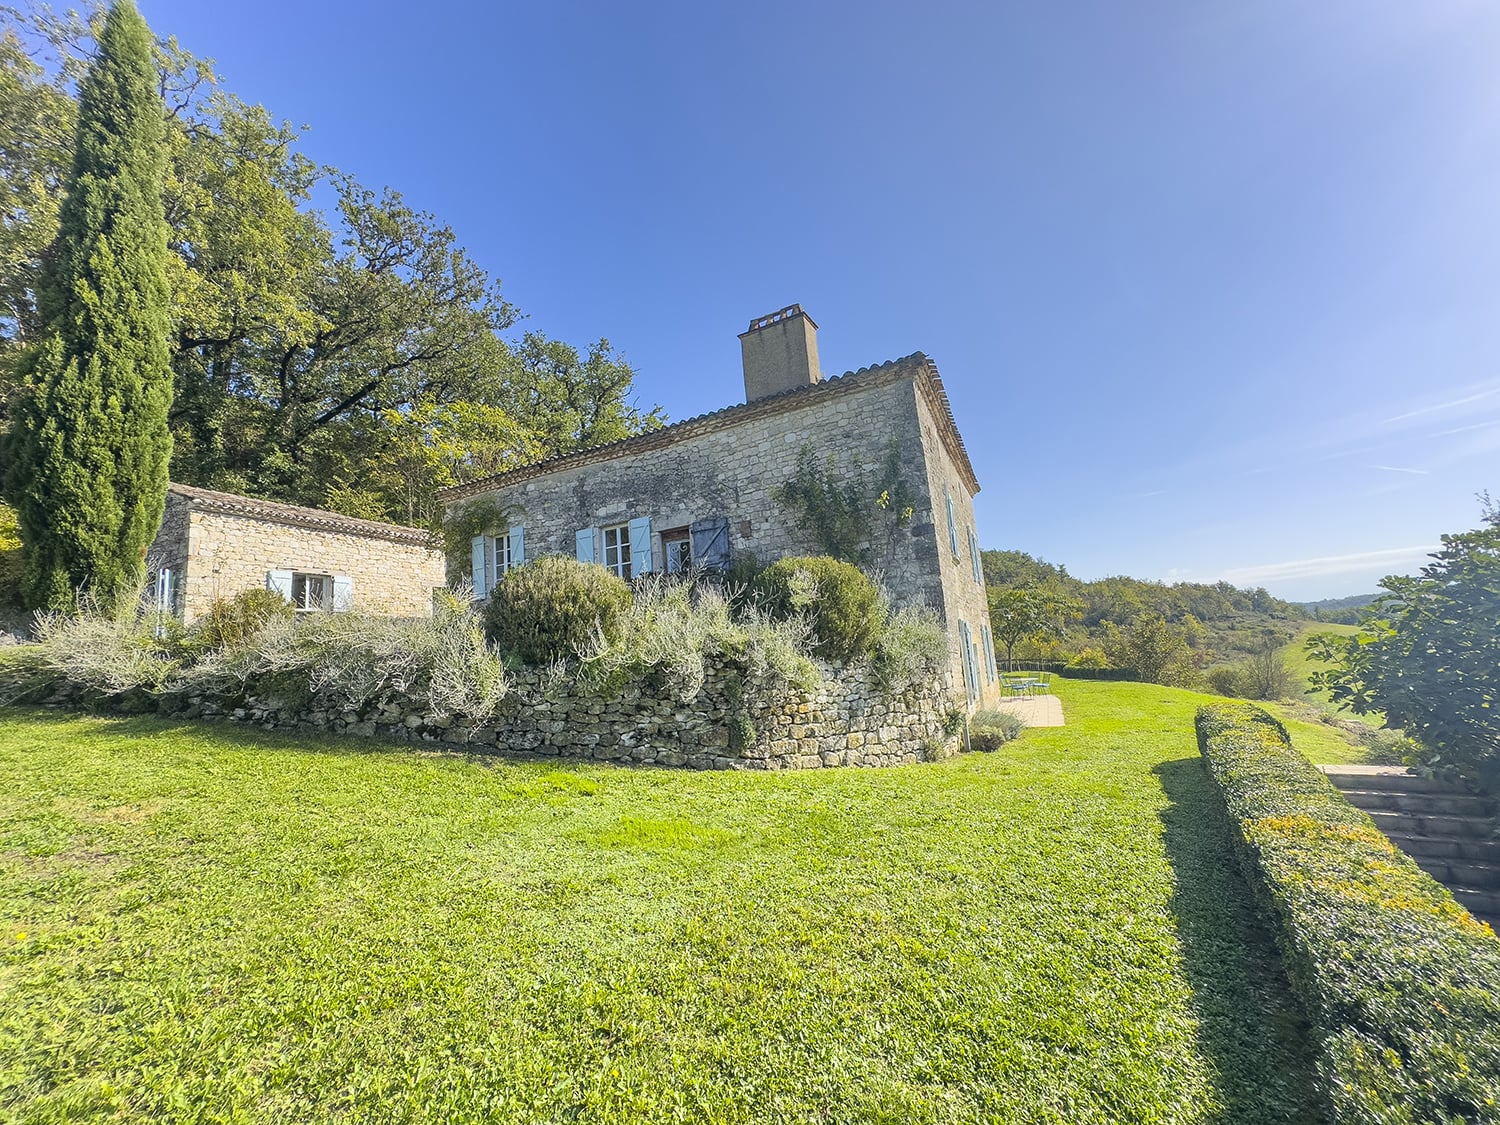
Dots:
(617, 549)
(500, 552)
(312, 592)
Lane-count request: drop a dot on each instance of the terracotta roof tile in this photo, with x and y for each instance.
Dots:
(917, 365)
(230, 503)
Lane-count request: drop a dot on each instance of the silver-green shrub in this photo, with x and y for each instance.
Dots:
(110, 650)
(910, 649)
(354, 658)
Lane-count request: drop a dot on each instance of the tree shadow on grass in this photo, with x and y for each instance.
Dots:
(1250, 1026)
(245, 736)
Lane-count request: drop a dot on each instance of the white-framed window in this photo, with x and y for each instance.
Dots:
(500, 554)
(312, 592)
(617, 549)
(677, 550)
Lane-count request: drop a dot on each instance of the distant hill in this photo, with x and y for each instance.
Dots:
(1340, 611)
(1220, 622)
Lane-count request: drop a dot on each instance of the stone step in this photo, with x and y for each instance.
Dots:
(1420, 803)
(1391, 778)
(1456, 873)
(1483, 904)
(1442, 847)
(1409, 824)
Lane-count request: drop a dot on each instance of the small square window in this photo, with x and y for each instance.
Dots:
(617, 549)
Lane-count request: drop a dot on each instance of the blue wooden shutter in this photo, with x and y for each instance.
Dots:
(710, 539)
(974, 557)
(952, 523)
(478, 574)
(966, 644)
(281, 582)
(343, 593)
(640, 547)
(517, 546)
(989, 654)
(584, 544)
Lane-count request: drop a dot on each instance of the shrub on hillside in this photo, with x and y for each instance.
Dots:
(1090, 659)
(1226, 679)
(555, 608)
(990, 730)
(843, 608)
(1401, 984)
(234, 621)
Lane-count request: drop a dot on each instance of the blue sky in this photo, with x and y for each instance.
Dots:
(1213, 287)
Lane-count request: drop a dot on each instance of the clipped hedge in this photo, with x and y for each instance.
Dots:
(843, 607)
(554, 607)
(1401, 985)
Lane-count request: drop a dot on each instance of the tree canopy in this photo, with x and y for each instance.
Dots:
(1428, 655)
(344, 357)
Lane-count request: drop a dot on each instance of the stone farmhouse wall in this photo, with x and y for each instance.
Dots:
(217, 554)
(965, 599)
(731, 470)
(847, 720)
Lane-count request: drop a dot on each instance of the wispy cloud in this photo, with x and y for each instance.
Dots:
(1153, 492)
(1465, 429)
(1324, 565)
(1399, 469)
(1440, 406)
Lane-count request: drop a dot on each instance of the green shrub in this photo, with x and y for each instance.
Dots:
(842, 606)
(1090, 659)
(990, 730)
(10, 559)
(1400, 983)
(1226, 679)
(234, 621)
(555, 608)
(912, 649)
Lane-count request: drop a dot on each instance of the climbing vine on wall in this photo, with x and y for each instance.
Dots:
(840, 510)
(476, 517)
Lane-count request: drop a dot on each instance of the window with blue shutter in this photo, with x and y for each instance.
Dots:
(641, 561)
(952, 524)
(709, 540)
(971, 674)
(478, 572)
(516, 540)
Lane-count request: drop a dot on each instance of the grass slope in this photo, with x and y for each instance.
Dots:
(203, 924)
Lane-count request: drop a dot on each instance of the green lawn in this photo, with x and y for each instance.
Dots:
(207, 924)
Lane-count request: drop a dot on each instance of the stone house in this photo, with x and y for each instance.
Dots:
(213, 545)
(699, 492)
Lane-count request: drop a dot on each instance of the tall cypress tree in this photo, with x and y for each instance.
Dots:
(87, 458)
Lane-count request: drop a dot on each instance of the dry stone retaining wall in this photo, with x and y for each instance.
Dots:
(848, 719)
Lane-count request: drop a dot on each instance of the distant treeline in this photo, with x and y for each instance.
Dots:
(1219, 621)
(1338, 611)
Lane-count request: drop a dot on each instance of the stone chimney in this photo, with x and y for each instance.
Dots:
(780, 352)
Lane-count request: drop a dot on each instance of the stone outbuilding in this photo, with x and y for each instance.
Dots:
(213, 545)
(698, 493)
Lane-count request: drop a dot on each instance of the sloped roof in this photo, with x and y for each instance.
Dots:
(292, 515)
(915, 366)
